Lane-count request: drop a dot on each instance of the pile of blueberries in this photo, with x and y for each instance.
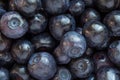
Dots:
(59, 39)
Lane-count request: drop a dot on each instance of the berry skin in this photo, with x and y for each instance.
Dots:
(26, 7)
(82, 67)
(38, 24)
(61, 57)
(42, 66)
(61, 24)
(56, 6)
(73, 44)
(89, 14)
(12, 25)
(19, 72)
(114, 52)
(106, 5)
(96, 34)
(112, 20)
(76, 7)
(108, 73)
(101, 60)
(21, 51)
(43, 42)
(63, 74)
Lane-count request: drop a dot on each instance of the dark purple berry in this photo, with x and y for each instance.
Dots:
(43, 42)
(112, 21)
(73, 44)
(55, 6)
(61, 57)
(82, 67)
(63, 74)
(96, 34)
(19, 72)
(26, 7)
(42, 66)
(61, 24)
(76, 7)
(101, 60)
(38, 24)
(21, 51)
(106, 5)
(13, 25)
(108, 73)
(89, 14)
(114, 52)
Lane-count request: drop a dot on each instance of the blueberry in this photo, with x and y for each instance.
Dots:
(21, 51)
(4, 74)
(26, 7)
(38, 24)
(108, 73)
(82, 67)
(55, 6)
(76, 7)
(19, 72)
(61, 24)
(100, 60)
(113, 22)
(63, 74)
(89, 14)
(43, 42)
(61, 57)
(73, 44)
(114, 52)
(106, 5)
(96, 34)
(4, 43)
(13, 25)
(6, 59)
(42, 66)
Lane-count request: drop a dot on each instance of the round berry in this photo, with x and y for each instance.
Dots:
(96, 34)
(61, 24)
(21, 51)
(12, 25)
(42, 66)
